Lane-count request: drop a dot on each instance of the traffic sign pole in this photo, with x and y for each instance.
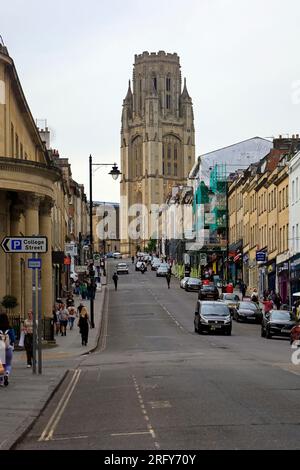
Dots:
(38, 271)
(34, 297)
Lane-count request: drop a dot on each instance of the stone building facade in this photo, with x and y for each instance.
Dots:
(27, 178)
(157, 143)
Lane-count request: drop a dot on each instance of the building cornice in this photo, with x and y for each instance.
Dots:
(14, 165)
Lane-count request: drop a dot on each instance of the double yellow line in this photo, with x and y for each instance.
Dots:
(48, 432)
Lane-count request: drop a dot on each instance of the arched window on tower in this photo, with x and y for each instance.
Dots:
(172, 156)
(168, 93)
(137, 157)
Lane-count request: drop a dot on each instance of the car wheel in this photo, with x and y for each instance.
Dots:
(228, 332)
(268, 334)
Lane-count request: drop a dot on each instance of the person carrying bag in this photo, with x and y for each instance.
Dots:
(7, 341)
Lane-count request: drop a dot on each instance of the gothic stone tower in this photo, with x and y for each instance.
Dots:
(157, 142)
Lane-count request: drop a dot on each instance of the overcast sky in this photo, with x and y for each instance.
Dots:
(241, 59)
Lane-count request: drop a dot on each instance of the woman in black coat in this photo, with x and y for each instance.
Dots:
(83, 324)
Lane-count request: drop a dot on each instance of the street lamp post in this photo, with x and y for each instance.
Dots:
(115, 173)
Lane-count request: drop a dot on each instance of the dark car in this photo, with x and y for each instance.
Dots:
(192, 285)
(209, 292)
(248, 311)
(212, 317)
(277, 323)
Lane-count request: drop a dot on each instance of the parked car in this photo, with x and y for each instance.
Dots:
(277, 323)
(208, 292)
(183, 282)
(122, 268)
(248, 311)
(110, 254)
(295, 333)
(117, 255)
(193, 285)
(231, 300)
(212, 317)
(139, 264)
(162, 270)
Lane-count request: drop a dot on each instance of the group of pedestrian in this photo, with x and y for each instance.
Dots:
(86, 289)
(65, 314)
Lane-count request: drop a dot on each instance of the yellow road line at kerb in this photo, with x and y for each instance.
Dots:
(47, 434)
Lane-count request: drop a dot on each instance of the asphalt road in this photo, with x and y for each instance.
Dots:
(154, 384)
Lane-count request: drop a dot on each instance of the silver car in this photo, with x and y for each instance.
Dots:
(122, 268)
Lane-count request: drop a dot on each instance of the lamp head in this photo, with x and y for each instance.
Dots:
(115, 172)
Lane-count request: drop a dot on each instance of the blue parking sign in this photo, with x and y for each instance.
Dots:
(16, 245)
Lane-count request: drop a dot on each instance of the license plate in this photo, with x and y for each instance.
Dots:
(215, 327)
(284, 330)
(250, 318)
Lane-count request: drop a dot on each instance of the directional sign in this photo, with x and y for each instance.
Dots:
(25, 245)
(35, 263)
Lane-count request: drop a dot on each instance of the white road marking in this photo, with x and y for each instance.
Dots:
(143, 409)
(160, 404)
(69, 438)
(47, 434)
(131, 434)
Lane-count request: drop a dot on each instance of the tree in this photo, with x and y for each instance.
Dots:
(151, 247)
(9, 302)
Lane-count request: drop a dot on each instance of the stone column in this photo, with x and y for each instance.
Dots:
(15, 214)
(32, 204)
(47, 284)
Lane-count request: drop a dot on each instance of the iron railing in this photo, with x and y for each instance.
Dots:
(47, 327)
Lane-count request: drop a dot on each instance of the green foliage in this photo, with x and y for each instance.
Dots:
(151, 247)
(9, 301)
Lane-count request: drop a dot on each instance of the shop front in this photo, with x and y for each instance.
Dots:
(246, 269)
(271, 269)
(295, 275)
(283, 277)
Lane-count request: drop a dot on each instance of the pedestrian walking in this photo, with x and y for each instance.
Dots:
(80, 307)
(254, 296)
(268, 305)
(277, 300)
(132, 259)
(83, 290)
(72, 316)
(63, 320)
(168, 277)
(28, 339)
(7, 342)
(243, 288)
(115, 279)
(55, 312)
(70, 301)
(83, 324)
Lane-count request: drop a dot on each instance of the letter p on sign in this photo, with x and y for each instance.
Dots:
(16, 245)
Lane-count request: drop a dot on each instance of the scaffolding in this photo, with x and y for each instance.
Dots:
(218, 186)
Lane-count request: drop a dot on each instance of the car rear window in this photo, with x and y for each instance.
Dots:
(248, 306)
(214, 309)
(282, 315)
(209, 288)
